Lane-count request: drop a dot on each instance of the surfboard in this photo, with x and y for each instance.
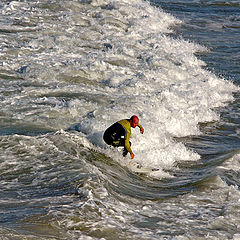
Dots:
(139, 168)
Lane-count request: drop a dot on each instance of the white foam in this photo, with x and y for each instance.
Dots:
(232, 163)
(114, 60)
(167, 88)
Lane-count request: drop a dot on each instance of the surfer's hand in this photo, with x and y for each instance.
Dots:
(141, 130)
(132, 155)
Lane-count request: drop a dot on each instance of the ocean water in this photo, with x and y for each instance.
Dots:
(69, 69)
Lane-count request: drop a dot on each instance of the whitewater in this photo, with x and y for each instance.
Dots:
(70, 69)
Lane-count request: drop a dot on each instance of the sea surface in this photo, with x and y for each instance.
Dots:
(70, 69)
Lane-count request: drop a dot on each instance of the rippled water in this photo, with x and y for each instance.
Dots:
(69, 69)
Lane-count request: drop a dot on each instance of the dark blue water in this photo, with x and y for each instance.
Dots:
(214, 24)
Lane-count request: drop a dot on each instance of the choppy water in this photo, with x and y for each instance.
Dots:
(69, 69)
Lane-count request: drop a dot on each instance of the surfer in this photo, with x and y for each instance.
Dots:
(119, 133)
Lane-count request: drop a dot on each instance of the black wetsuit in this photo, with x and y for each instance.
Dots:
(115, 136)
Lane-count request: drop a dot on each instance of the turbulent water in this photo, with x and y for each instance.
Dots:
(70, 69)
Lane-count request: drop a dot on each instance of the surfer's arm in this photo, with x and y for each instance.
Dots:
(127, 144)
(128, 147)
(141, 128)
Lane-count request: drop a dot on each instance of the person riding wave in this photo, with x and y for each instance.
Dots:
(118, 134)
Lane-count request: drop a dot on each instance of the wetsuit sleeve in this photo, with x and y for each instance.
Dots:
(127, 144)
(126, 125)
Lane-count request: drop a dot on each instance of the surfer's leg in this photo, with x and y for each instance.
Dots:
(113, 139)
